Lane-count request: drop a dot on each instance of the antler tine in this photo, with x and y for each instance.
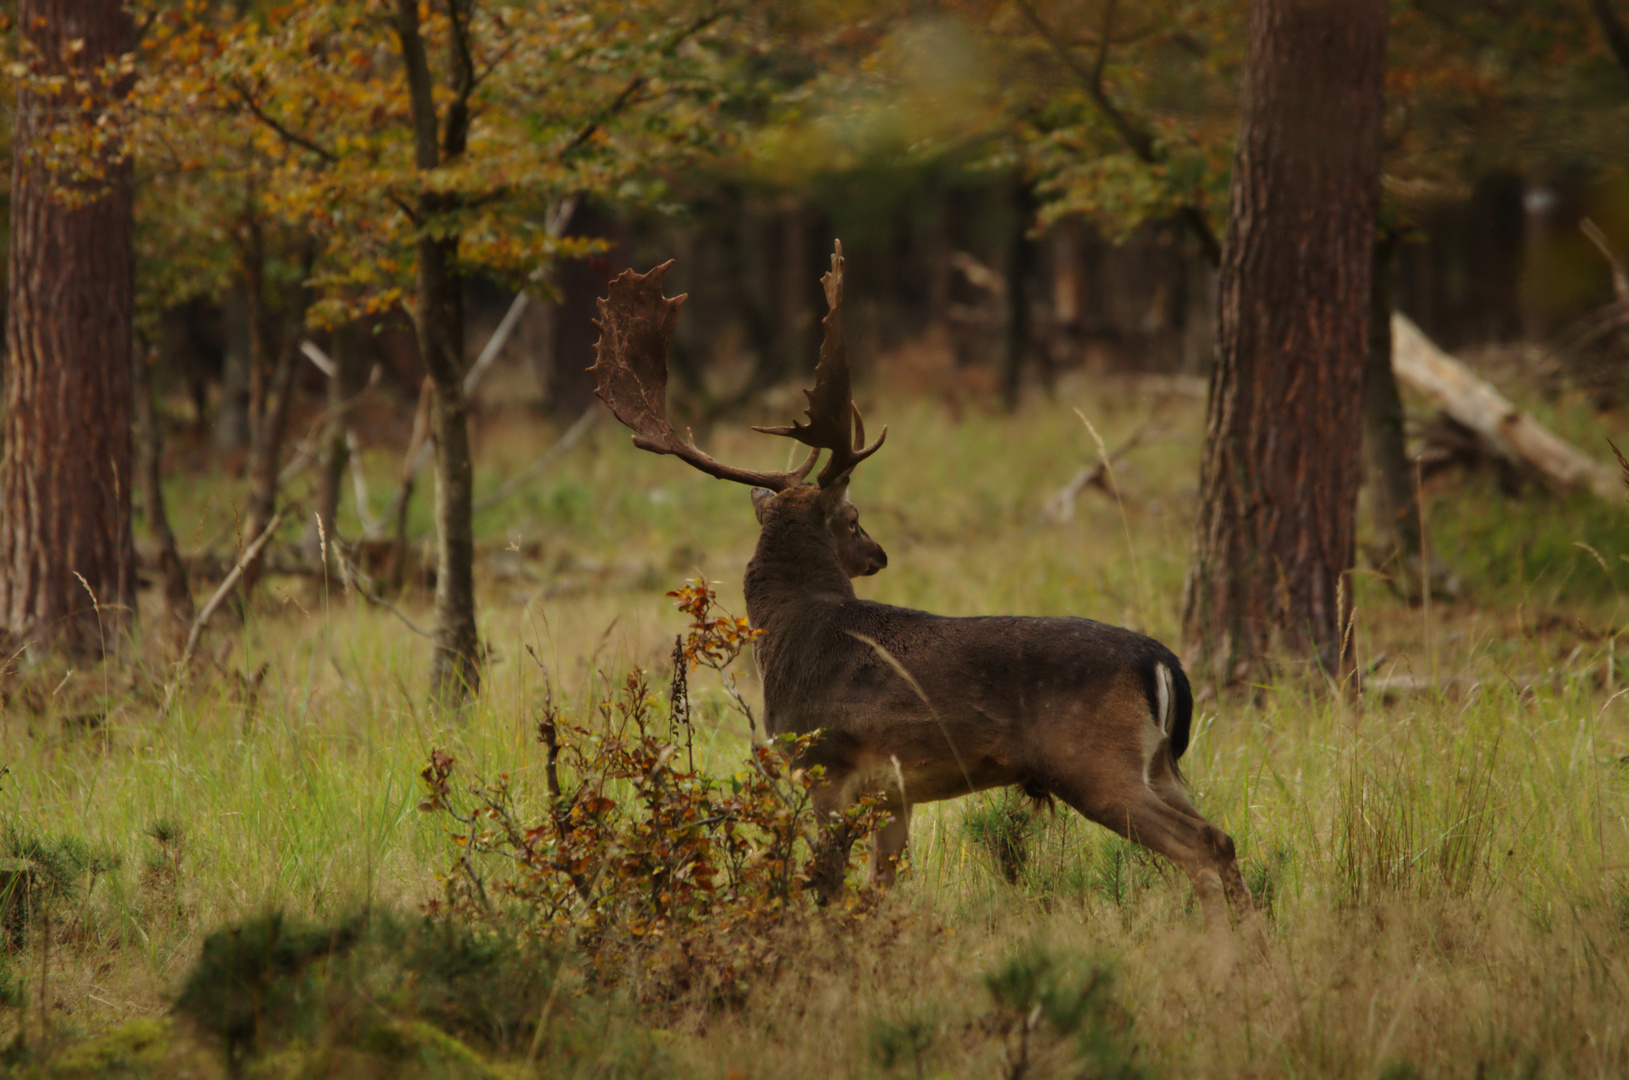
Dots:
(834, 421)
(630, 375)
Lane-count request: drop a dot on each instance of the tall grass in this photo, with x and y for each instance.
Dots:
(1444, 868)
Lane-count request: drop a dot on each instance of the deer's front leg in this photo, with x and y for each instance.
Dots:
(832, 842)
(888, 846)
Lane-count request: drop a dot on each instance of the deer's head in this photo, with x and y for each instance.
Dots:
(630, 373)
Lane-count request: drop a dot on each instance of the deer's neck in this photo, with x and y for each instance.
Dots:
(794, 571)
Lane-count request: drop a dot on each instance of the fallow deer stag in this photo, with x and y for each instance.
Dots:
(911, 706)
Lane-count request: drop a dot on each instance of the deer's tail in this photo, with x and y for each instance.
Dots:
(1171, 699)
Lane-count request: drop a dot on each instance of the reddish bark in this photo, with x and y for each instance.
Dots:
(66, 470)
(1274, 536)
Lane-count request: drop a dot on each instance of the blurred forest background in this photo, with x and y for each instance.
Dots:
(1026, 190)
(298, 427)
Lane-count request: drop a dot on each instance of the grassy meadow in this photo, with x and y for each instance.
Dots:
(1443, 861)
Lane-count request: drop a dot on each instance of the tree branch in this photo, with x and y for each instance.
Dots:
(292, 137)
(427, 153)
(1613, 29)
(626, 96)
(456, 136)
(1137, 139)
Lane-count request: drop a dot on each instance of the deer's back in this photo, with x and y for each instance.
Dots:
(990, 682)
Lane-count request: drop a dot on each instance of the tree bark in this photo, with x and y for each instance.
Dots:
(1389, 470)
(1274, 536)
(438, 320)
(272, 387)
(1020, 265)
(335, 454)
(67, 564)
(231, 431)
(178, 607)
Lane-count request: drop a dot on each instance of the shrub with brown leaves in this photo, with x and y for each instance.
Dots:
(655, 872)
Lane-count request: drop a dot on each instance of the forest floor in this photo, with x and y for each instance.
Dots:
(1443, 859)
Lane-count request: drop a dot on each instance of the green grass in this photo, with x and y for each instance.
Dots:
(1445, 868)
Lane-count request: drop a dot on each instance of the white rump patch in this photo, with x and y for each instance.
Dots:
(1155, 737)
(1162, 696)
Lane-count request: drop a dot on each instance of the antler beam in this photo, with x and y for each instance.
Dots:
(630, 375)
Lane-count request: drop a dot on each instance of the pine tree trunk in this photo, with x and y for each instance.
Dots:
(580, 283)
(1274, 535)
(232, 413)
(1020, 265)
(66, 469)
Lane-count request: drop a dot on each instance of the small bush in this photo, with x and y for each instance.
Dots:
(376, 983)
(1050, 1011)
(1002, 827)
(38, 875)
(656, 872)
(896, 1043)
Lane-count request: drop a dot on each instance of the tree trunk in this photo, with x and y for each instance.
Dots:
(1390, 472)
(1020, 265)
(178, 607)
(438, 319)
(232, 414)
(455, 673)
(67, 564)
(580, 283)
(1274, 535)
(335, 453)
(273, 387)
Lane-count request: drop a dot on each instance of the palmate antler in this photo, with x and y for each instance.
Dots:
(831, 402)
(630, 375)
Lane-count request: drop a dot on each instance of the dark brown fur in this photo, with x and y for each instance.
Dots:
(1060, 706)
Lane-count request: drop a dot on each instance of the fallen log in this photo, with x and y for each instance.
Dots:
(1471, 401)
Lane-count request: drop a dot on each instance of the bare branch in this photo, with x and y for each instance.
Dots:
(1613, 29)
(1620, 272)
(283, 132)
(627, 95)
(249, 555)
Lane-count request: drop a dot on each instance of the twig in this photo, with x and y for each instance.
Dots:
(1137, 139)
(359, 485)
(495, 344)
(1061, 507)
(303, 452)
(575, 432)
(249, 555)
(353, 573)
(1620, 273)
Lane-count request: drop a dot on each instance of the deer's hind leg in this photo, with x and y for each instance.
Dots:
(1162, 780)
(1198, 848)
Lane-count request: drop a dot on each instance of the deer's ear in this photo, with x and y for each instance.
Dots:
(761, 498)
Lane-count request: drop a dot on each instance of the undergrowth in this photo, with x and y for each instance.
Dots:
(1441, 857)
